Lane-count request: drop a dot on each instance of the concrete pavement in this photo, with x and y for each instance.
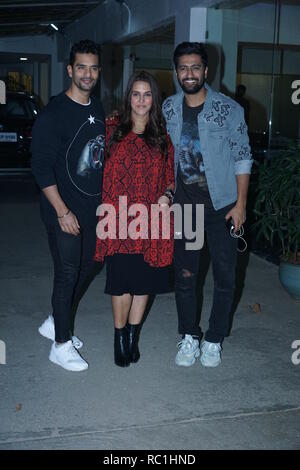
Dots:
(252, 401)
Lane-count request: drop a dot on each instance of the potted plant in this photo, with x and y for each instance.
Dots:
(277, 212)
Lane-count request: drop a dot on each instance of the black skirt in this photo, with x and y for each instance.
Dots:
(130, 274)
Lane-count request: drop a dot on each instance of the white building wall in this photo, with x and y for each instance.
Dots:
(110, 20)
(254, 24)
(109, 23)
(221, 29)
(38, 45)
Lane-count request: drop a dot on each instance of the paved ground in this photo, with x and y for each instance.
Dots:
(252, 401)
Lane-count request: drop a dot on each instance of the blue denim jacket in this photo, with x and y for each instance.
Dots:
(224, 142)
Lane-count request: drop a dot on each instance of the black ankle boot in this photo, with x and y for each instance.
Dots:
(122, 358)
(134, 334)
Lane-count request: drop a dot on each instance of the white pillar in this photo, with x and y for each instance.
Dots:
(44, 82)
(182, 25)
(36, 74)
(128, 66)
(2, 92)
(198, 20)
(230, 47)
(214, 48)
(57, 74)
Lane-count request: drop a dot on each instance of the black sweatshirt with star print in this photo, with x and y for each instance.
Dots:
(68, 151)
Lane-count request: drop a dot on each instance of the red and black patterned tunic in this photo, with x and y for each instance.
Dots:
(142, 174)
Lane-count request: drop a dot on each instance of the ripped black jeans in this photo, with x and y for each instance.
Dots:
(74, 268)
(223, 252)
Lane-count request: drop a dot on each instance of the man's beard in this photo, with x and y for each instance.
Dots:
(192, 90)
(83, 87)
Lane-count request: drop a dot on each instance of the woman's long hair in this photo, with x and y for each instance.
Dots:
(155, 130)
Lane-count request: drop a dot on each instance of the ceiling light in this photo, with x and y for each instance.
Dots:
(54, 26)
(23, 58)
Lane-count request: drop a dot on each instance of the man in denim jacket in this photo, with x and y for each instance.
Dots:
(212, 167)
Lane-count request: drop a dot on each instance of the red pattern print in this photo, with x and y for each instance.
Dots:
(142, 174)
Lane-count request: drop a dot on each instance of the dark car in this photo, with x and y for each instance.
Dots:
(16, 120)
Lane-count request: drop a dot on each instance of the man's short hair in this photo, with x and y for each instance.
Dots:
(84, 47)
(187, 48)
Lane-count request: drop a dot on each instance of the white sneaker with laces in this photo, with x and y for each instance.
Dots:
(188, 351)
(47, 330)
(210, 354)
(66, 356)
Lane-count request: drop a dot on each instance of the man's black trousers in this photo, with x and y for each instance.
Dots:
(223, 252)
(74, 268)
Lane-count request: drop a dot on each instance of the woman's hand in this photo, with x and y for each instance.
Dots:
(164, 201)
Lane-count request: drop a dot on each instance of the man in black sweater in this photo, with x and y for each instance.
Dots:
(67, 157)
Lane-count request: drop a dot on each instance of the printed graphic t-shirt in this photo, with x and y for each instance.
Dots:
(68, 150)
(191, 169)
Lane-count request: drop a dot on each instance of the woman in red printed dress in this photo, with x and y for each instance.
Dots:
(138, 183)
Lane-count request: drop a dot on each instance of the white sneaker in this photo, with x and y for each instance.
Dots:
(66, 356)
(188, 351)
(47, 330)
(210, 354)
